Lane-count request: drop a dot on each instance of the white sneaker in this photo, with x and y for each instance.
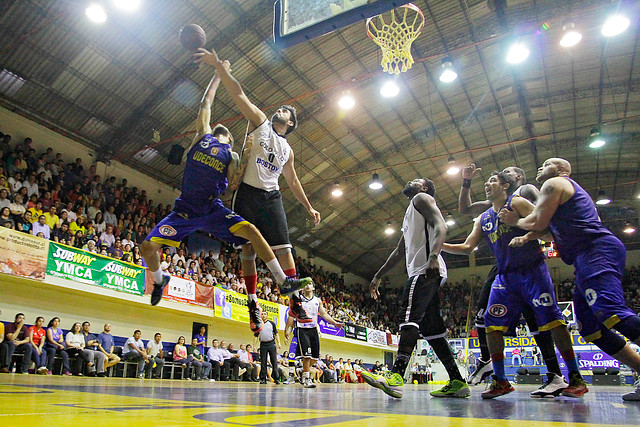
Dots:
(308, 383)
(482, 372)
(212, 380)
(552, 388)
(635, 395)
(241, 372)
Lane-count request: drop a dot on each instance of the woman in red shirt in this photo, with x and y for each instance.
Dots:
(37, 339)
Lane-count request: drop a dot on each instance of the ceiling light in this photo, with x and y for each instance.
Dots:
(448, 73)
(602, 198)
(596, 140)
(127, 5)
(453, 169)
(389, 230)
(336, 191)
(614, 25)
(571, 37)
(449, 220)
(629, 229)
(375, 183)
(517, 53)
(346, 102)
(389, 89)
(96, 13)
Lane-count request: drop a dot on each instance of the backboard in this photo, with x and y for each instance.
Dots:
(296, 21)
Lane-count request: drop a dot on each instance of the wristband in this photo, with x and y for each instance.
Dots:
(466, 183)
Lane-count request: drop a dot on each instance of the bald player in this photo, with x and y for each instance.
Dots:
(597, 256)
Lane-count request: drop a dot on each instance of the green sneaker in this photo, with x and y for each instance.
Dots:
(390, 383)
(454, 388)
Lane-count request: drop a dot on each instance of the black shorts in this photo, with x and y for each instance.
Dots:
(308, 343)
(421, 305)
(264, 210)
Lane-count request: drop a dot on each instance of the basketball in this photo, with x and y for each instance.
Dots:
(192, 37)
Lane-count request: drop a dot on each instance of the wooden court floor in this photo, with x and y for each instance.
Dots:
(30, 400)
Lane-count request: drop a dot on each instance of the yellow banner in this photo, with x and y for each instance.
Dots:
(22, 254)
(232, 305)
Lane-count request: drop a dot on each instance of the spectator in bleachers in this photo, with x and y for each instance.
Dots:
(197, 360)
(95, 355)
(107, 347)
(16, 339)
(74, 346)
(107, 238)
(4, 194)
(5, 218)
(134, 351)
(181, 355)
(41, 227)
(37, 339)
(156, 356)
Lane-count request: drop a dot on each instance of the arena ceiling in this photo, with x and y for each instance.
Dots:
(109, 85)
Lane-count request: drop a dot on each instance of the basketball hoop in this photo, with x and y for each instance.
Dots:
(396, 37)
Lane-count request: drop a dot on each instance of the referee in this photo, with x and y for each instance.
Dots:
(269, 343)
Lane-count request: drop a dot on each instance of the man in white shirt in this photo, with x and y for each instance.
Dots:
(107, 238)
(133, 351)
(179, 256)
(110, 217)
(215, 356)
(156, 357)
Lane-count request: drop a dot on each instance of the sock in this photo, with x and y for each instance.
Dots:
(443, 351)
(571, 361)
(251, 282)
(545, 342)
(401, 363)
(484, 348)
(307, 375)
(157, 275)
(276, 270)
(498, 366)
(292, 367)
(291, 273)
(252, 297)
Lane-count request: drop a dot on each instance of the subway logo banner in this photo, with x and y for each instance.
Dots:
(70, 263)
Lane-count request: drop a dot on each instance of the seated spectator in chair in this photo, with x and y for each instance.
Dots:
(180, 355)
(340, 371)
(329, 375)
(246, 358)
(358, 368)
(515, 355)
(350, 374)
(197, 359)
(55, 345)
(105, 345)
(5, 218)
(61, 233)
(37, 339)
(245, 370)
(156, 355)
(377, 368)
(232, 361)
(74, 342)
(41, 227)
(95, 355)
(133, 351)
(16, 339)
(217, 362)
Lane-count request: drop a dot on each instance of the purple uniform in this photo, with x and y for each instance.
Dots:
(523, 278)
(198, 207)
(599, 260)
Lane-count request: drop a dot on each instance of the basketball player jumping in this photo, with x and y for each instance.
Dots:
(258, 198)
(555, 381)
(210, 165)
(597, 256)
(522, 279)
(308, 348)
(423, 233)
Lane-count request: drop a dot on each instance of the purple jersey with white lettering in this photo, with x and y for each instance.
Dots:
(576, 224)
(499, 235)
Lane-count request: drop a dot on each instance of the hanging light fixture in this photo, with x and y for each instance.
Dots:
(596, 140)
(453, 169)
(336, 191)
(614, 25)
(449, 220)
(375, 183)
(389, 89)
(517, 53)
(346, 102)
(389, 230)
(448, 73)
(602, 198)
(96, 13)
(628, 228)
(570, 36)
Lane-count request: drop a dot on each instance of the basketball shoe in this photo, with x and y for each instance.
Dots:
(308, 383)
(390, 382)
(482, 372)
(498, 388)
(454, 388)
(255, 316)
(635, 395)
(297, 310)
(577, 386)
(552, 388)
(156, 295)
(290, 285)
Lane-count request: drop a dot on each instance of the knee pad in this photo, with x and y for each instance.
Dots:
(282, 251)
(609, 342)
(629, 327)
(247, 257)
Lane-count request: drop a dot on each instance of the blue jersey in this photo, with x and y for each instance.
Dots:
(499, 235)
(576, 224)
(205, 176)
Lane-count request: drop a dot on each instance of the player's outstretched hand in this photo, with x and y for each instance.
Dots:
(202, 55)
(508, 216)
(470, 171)
(516, 242)
(373, 288)
(338, 324)
(316, 216)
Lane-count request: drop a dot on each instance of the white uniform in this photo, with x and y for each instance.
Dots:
(269, 154)
(311, 306)
(416, 231)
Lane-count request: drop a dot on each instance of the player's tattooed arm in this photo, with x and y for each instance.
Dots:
(238, 167)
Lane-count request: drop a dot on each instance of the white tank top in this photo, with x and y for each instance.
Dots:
(311, 306)
(267, 158)
(416, 232)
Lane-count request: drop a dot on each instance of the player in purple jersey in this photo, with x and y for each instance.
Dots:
(597, 256)
(522, 279)
(210, 166)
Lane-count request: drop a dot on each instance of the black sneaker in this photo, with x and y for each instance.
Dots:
(255, 316)
(291, 285)
(297, 311)
(156, 295)
(263, 381)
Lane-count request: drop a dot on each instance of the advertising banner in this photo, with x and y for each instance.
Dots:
(85, 267)
(232, 305)
(375, 336)
(355, 332)
(588, 360)
(328, 329)
(23, 254)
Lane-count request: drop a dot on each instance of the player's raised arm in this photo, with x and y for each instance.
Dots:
(465, 204)
(246, 107)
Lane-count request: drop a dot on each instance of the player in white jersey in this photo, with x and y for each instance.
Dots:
(307, 333)
(258, 199)
(423, 233)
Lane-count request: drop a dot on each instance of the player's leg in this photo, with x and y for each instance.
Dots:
(544, 341)
(484, 368)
